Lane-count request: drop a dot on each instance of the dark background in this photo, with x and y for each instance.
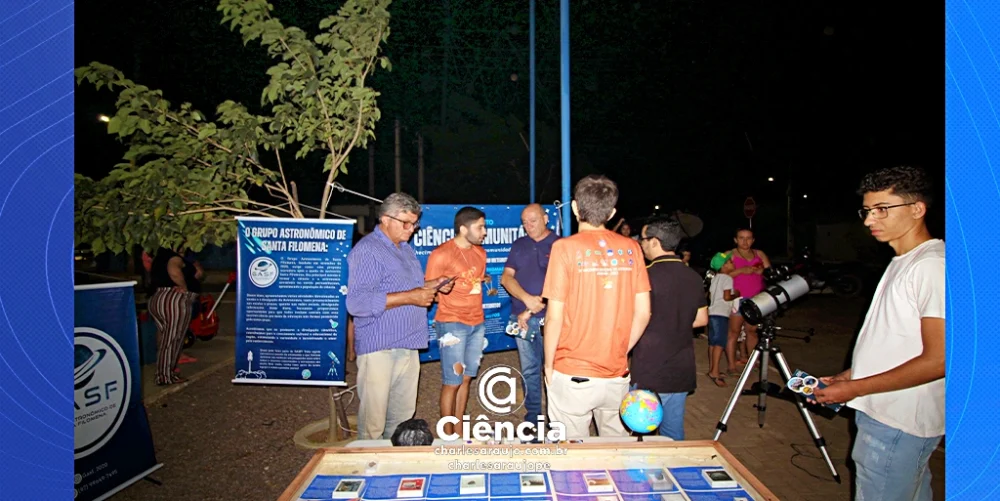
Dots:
(687, 105)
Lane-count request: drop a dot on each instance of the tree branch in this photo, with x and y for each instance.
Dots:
(220, 209)
(327, 193)
(259, 204)
(194, 131)
(296, 212)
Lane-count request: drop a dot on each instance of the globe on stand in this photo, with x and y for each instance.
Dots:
(641, 411)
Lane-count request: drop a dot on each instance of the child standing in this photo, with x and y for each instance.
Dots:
(720, 305)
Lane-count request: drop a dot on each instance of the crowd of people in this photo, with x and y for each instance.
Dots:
(583, 304)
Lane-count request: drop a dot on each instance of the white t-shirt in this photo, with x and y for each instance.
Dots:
(912, 288)
(720, 284)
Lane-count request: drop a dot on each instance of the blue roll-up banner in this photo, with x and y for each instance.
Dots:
(503, 226)
(113, 446)
(291, 319)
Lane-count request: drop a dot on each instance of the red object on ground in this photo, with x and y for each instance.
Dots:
(232, 277)
(185, 359)
(203, 326)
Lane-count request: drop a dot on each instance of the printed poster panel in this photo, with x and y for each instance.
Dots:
(113, 446)
(291, 316)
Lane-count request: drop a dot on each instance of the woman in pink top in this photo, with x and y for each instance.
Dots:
(748, 280)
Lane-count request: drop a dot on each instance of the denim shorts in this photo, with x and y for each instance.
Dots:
(460, 344)
(718, 330)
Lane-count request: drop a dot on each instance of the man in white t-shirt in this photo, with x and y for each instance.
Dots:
(896, 379)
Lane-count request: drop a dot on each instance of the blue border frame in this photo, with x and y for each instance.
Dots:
(36, 217)
(972, 191)
(36, 155)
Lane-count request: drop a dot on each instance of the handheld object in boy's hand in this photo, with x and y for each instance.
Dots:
(446, 282)
(806, 385)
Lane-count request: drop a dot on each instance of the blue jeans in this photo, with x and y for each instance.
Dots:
(673, 415)
(460, 344)
(673, 405)
(891, 464)
(530, 350)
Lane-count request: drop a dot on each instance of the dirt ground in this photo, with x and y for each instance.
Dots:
(221, 441)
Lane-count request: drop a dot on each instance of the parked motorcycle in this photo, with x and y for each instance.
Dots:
(839, 279)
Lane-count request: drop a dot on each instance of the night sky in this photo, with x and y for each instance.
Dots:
(687, 105)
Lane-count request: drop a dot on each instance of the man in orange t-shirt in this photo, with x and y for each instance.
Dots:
(461, 324)
(598, 307)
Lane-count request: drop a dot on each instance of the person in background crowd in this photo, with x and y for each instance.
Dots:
(388, 298)
(896, 381)
(721, 295)
(625, 230)
(460, 320)
(177, 287)
(748, 278)
(598, 307)
(191, 259)
(663, 360)
(523, 278)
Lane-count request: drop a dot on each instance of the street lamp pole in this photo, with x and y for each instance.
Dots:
(790, 236)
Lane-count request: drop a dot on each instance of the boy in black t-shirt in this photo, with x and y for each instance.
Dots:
(663, 360)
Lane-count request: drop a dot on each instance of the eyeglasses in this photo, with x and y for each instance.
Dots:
(407, 225)
(879, 212)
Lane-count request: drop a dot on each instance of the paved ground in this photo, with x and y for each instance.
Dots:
(220, 441)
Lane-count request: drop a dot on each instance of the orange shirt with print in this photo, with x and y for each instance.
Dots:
(465, 301)
(596, 274)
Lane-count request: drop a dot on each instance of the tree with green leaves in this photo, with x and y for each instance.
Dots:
(186, 175)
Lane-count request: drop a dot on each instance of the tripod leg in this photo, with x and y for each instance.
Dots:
(817, 438)
(721, 426)
(762, 396)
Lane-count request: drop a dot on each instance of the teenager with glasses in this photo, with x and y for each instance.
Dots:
(896, 380)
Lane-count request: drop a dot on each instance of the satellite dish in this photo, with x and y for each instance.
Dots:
(691, 224)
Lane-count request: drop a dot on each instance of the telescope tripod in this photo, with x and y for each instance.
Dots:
(764, 350)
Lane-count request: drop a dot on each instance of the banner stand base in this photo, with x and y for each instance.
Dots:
(129, 482)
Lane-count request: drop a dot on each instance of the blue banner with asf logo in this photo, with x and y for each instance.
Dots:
(503, 226)
(291, 319)
(113, 446)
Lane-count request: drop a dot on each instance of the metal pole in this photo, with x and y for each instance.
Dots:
(564, 105)
(531, 66)
(371, 181)
(789, 225)
(420, 168)
(371, 168)
(399, 182)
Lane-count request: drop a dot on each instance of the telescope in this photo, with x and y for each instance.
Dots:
(784, 288)
(760, 310)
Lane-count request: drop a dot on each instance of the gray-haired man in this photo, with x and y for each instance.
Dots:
(388, 298)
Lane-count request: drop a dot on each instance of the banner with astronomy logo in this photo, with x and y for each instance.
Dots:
(503, 226)
(113, 446)
(291, 314)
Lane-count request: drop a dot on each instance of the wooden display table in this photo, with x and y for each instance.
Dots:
(594, 471)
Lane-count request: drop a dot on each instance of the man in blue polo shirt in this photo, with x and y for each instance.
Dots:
(388, 298)
(523, 278)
